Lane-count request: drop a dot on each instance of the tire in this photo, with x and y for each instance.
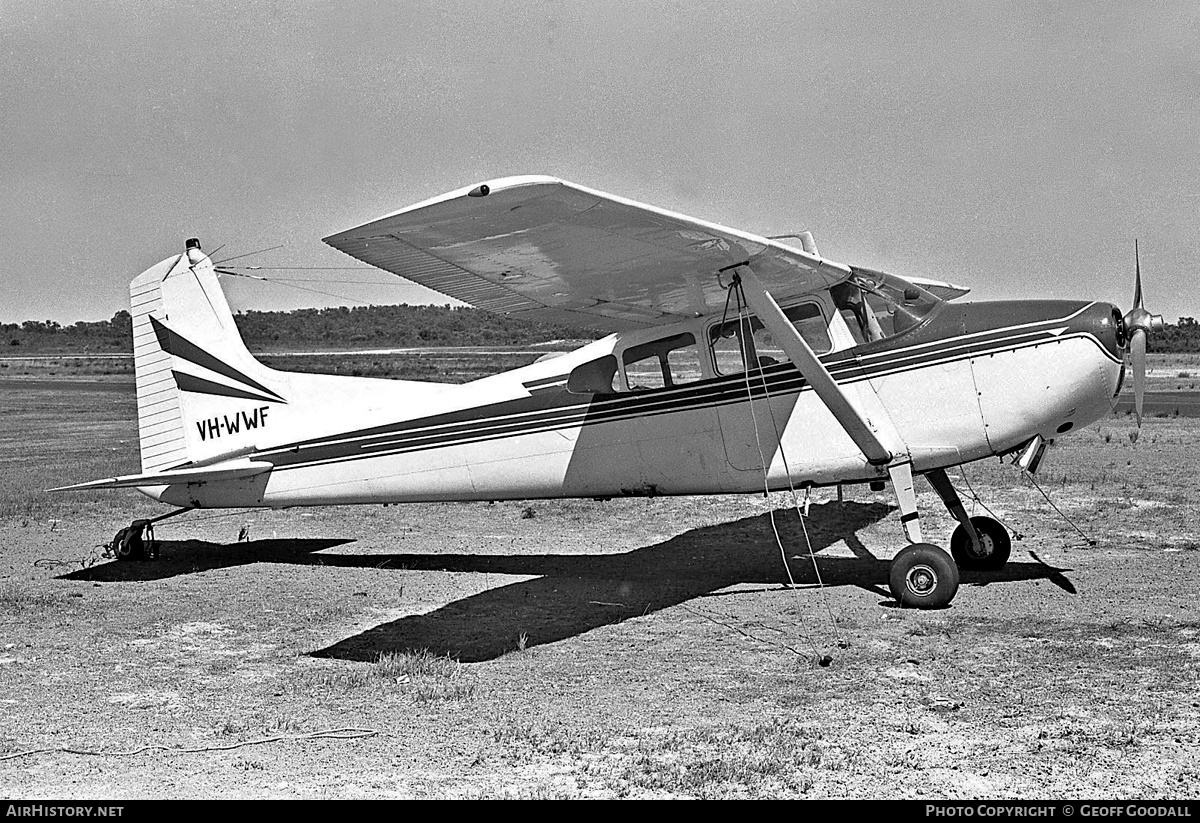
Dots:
(128, 545)
(923, 577)
(993, 537)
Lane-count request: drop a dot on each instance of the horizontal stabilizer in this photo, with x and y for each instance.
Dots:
(203, 474)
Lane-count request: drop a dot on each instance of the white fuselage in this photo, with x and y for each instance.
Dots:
(951, 396)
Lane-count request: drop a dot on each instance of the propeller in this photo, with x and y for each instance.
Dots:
(1135, 327)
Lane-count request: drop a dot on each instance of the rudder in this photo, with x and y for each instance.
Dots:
(187, 353)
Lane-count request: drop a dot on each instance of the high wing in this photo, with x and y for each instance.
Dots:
(544, 249)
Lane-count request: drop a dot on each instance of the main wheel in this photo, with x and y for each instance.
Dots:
(993, 540)
(923, 577)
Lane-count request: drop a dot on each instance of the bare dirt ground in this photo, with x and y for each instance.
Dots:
(634, 648)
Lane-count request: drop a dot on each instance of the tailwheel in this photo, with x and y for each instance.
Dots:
(923, 577)
(135, 542)
(994, 544)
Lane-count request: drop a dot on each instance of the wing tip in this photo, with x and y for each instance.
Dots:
(492, 186)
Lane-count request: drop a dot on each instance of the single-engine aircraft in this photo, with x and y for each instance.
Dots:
(736, 363)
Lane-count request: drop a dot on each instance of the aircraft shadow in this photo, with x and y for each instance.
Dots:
(180, 557)
(573, 594)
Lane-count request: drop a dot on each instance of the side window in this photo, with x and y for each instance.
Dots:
(737, 342)
(810, 322)
(731, 346)
(593, 377)
(659, 364)
(684, 363)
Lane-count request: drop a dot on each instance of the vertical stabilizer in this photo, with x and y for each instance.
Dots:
(191, 365)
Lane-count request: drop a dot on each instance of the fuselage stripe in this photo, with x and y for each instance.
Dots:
(782, 381)
(782, 377)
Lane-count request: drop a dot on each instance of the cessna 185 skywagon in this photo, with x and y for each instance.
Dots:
(736, 363)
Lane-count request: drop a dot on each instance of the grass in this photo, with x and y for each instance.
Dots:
(526, 739)
(932, 628)
(68, 366)
(774, 758)
(421, 675)
(17, 599)
(56, 443)
(260, 725)
(1067, 692)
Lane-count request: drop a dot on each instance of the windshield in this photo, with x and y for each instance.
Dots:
(878, 305)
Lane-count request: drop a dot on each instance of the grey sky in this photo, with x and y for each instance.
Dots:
(1017, 148)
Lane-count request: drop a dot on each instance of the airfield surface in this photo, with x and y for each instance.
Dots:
(633, 648)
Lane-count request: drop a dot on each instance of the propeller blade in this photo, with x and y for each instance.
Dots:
(1137, 357)
(1137, 267)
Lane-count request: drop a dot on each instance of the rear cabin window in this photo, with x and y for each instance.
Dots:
(594, 377)
(659, 364)
(746, 340)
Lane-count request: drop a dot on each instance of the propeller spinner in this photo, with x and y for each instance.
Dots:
(1136, 326)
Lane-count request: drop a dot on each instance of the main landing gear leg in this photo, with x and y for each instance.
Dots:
(922, 575)
(136, 541)
(979, 543)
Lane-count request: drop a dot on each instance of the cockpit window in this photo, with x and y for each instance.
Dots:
(877, 305)
(740, 341)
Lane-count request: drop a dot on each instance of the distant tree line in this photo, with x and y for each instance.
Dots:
(1182, 337)
(395, 326)
(362, 327)
(102, 336)
(379, 327)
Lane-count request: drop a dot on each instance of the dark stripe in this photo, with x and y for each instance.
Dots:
(525, 414)
(561, 410)
(546, 381)
(173, 343)
(198, 385)
(904, 518)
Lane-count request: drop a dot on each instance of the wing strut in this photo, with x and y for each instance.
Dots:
(881, 448)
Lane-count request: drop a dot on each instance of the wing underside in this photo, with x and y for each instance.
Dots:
(544, 249)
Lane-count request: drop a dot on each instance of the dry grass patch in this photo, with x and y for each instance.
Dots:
(1069, 674)
(19, 599)
(420, 675)
(777, 758)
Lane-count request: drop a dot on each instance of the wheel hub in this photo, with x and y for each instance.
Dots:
(921, 580)
(986, 545)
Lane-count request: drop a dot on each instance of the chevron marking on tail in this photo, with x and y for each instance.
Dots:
(179, 346)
